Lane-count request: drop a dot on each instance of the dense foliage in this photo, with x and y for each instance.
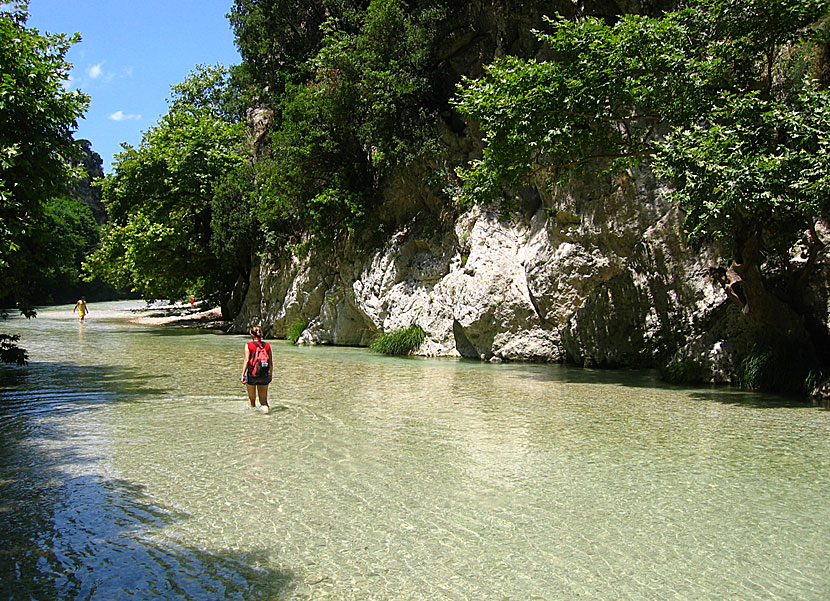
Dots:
(346, 85)
(75, 234)
(355, 108)
(162, 199)
(41, 230)
(724, 97)
(38, 228)
(277, 38)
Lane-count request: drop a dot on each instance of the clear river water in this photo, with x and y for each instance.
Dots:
(132, 468)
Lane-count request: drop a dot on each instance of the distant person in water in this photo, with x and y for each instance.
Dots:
(258, 369)
(81, 308)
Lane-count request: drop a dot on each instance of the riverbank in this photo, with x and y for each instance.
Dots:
(181, 315)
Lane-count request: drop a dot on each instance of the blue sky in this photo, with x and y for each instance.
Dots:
(130, 55)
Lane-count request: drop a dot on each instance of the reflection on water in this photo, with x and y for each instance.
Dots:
(130, 467)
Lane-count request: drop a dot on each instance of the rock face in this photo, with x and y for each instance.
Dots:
(91, 163)
(595, 272)
(597, 275)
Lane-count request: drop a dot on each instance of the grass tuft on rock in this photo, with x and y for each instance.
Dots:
(787, 368)
(403, 341)
(295, 330)
(688, 371)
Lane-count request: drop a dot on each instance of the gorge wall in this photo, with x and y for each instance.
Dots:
(595, 272)
(92, 165)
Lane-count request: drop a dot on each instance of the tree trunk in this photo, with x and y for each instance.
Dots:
(745, 286)
(231, 304)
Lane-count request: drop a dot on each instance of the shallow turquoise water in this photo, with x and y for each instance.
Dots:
(131, 468)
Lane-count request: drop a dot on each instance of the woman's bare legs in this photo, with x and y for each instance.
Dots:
(251, 394)
(262, 391)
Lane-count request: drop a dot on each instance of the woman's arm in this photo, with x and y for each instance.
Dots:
(270, 363)
(245, 364)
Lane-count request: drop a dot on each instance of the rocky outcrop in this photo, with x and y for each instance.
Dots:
(83, 189)
(596, 274)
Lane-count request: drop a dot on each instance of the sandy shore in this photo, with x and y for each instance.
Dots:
(180, 316)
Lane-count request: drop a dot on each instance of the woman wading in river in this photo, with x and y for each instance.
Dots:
(258, 369)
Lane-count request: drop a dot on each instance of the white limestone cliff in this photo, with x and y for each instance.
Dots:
(598, 274)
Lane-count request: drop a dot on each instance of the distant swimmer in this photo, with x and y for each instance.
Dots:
(81, 308)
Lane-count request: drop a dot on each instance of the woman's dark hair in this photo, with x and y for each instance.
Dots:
(256, 332)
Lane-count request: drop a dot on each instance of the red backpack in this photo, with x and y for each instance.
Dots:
(258, 361)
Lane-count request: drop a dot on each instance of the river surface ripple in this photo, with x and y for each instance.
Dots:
(131, 468)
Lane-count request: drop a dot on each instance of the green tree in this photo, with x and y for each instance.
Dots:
(37, 119)
(276, 38)
(709, 93)
(160, 197)
(236, 231)
(38, 116)
(74, 234)
(757, 177)
(361, 112)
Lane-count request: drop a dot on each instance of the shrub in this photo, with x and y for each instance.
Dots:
(787, 368)
(757, 370)
(10, 352)
(295, 330)
(403, 341)
(688, 371)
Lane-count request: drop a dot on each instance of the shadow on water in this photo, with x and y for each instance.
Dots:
(56, 382)
(184, 330)
(650, 380)
(70, 531)
(756, 400)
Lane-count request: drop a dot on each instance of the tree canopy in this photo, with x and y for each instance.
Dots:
(277, 38)
(38, 116)
(723, 97)
(160, 196)
(357, 110)
(348, 91)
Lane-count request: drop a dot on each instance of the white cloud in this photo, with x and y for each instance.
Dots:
(121, 116)
(95, 71)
